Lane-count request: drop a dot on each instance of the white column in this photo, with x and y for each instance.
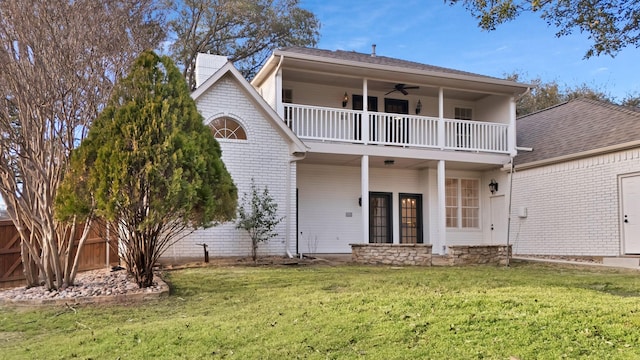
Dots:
(364, 171)
(279, 103)
(365, 112)
(441, 118)
(441, 241)
(511, 132)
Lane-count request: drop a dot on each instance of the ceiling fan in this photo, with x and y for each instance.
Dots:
(402, 88)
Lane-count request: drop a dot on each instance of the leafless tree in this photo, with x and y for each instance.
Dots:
(59, 60)
(246, 31)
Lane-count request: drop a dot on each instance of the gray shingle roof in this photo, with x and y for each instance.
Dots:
(377, 60)
(575, 126)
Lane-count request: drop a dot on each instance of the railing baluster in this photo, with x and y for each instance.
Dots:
(320, 123)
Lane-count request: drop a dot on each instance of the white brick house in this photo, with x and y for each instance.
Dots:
(411, 164)
(267, 154)
(578, 191)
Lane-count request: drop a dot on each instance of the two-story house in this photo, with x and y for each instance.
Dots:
(360, 148)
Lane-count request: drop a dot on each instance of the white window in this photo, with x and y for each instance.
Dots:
(227, 128)
(463, 130)
(462, 113)
(287, 96)
(462, 203)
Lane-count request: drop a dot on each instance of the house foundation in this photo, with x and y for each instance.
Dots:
(420, 254)
(478, 254)
(391, 254)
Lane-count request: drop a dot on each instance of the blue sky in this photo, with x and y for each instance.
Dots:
(432, 32)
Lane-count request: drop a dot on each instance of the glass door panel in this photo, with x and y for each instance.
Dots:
(380, 218)
(410, 218)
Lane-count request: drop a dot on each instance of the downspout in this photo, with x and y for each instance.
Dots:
(509, 211)
(512, 170)
(288, 200)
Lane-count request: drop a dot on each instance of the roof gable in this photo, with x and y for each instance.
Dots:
(258, 101)
(578, 126)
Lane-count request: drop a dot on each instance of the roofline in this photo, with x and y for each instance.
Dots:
(579, 155)
(603, 103)
(229, 68)
(308, 57)
(545, 109)
(264, 71)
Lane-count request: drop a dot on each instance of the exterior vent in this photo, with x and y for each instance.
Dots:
(373, 50)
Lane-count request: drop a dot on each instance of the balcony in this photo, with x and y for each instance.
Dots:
(342, 125)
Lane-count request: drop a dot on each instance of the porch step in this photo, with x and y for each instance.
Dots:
(625, 262)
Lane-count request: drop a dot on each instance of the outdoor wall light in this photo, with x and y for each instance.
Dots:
(360, 201)
(493, 186)
(418, 107)
(345, 99)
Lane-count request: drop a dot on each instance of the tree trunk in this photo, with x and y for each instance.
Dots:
(29, 267)
(73, 270)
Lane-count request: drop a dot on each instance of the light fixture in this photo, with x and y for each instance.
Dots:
(345, 99)
(389, 162)
(493, 186)
(418, 107)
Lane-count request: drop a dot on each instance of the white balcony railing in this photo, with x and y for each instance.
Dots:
(341, 125)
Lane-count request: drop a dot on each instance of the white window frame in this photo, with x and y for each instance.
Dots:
(459, 207)
(463, 107)
(229, 139)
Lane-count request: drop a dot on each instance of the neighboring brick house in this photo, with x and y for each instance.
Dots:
(578, 191)
(360, 148)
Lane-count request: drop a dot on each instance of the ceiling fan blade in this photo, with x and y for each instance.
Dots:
(404, 91)
(412, 87)
(391, 91)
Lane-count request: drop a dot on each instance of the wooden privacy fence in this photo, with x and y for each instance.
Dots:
(96, 253)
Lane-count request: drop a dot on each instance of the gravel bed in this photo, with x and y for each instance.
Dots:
(89, 284)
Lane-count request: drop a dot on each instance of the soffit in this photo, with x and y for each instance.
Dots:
(352, 75)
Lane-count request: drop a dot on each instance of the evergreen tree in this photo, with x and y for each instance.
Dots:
(149, 166)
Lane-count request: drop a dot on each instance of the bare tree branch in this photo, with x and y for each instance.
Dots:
(59, 60)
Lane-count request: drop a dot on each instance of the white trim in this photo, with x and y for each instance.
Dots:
(410, 153)
(621, 208)
(459, 206)
(460, 105)
(511, 130)
(432, 73)
(441, 241)
(579, 155)
(234, 117)
(364, 193)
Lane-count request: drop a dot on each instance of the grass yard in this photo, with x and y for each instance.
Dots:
(528, 311)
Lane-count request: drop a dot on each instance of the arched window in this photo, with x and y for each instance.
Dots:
(227, 128)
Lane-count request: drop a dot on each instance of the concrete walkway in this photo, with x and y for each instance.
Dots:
(620, 263)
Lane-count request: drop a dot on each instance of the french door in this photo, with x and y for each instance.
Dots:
(380, 225)
(410, 218)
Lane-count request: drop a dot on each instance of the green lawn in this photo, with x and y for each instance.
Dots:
(527, 311)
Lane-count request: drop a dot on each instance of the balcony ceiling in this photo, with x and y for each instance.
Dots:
(350, 83)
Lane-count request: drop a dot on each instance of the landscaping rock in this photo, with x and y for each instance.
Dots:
(96, 286)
